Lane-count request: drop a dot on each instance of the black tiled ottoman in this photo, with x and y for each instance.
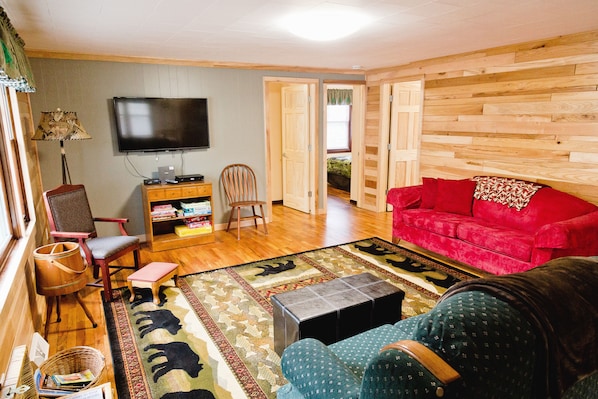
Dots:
(334, 310)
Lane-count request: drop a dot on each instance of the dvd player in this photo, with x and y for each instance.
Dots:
(187, 178)
(149, 182)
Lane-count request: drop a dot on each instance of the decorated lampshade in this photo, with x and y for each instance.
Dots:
(60, 125)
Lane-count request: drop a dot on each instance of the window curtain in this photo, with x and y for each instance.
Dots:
(15, 70)
(340, 96)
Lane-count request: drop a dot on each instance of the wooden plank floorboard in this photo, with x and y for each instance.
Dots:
(289, 232)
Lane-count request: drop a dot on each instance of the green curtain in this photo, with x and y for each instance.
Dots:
(340, 96)
(15, 70)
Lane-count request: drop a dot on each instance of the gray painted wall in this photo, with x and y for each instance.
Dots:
(112, 181)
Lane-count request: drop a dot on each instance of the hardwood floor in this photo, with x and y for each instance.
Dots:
(290, 232)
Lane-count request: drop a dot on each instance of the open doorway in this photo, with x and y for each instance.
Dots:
(343, 112)
(291, 142)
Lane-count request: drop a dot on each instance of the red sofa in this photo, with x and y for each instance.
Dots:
(495, 224)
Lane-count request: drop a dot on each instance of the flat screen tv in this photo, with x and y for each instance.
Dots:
(161, 124)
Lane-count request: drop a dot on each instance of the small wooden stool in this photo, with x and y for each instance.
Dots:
(153, 275)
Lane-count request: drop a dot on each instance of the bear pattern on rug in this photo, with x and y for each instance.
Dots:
(273, 269)
(179, 356)
(144, 295)
(174, 355)
(410, 265)
(195, 394)
(160, 318)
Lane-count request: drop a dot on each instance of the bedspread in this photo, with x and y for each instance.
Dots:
(339, 172)
(340, 166)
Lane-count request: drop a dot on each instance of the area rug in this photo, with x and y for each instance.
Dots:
(211, 337)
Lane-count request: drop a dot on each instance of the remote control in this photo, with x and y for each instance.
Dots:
(170, 181)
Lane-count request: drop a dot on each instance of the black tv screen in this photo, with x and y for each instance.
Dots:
(161, 124)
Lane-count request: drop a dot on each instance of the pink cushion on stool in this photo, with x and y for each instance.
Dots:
(153, 271)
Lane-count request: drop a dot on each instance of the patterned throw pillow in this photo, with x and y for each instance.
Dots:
(509, 192)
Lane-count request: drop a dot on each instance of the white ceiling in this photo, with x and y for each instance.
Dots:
(247, 31)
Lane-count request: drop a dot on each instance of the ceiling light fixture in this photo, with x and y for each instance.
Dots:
(325, 25)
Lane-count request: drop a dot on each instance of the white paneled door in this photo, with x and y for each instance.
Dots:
(296, 146)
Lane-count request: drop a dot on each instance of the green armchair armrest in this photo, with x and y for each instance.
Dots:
(317, 372)
(408, 370)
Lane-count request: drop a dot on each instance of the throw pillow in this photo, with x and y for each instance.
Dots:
(455, 196)
(430, 188)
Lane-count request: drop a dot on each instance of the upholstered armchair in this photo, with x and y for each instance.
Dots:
(526, 335)
(70, 219)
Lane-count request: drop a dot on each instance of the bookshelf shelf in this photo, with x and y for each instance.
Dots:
(163, 222)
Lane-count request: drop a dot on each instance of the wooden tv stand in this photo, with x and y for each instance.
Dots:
(160, 230)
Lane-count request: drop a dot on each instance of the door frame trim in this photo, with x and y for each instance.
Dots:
(313, 89)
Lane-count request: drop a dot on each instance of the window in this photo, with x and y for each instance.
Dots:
(5, 226)
(16, 195)
(14, 215)
(338, 128)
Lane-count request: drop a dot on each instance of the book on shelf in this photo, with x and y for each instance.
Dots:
(164, 214)
(198, 222)
(197, 219)
(198, 204)
(196, 208)
(196, 212)
(162, 207)
(159, 209)
(198, 225)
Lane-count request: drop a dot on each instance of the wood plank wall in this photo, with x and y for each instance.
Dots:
(23, 310)
(372, 148)
(528, 111)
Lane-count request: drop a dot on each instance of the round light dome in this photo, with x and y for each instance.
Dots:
(325, 25)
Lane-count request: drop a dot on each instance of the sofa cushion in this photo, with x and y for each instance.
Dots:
(437, 222)
(546, 206)
(455, 196)
(514, 243)
(429, 191)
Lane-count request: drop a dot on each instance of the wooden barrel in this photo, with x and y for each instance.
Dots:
(59, 269)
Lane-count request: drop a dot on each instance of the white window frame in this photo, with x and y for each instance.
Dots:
(16, 206)
(336, 125)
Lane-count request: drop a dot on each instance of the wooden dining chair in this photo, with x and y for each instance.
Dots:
(70, 219)
(240, 187)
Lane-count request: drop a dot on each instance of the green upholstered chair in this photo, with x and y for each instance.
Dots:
(529, 335)
(357, 367)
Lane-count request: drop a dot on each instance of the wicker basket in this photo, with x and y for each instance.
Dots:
(74, 360)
